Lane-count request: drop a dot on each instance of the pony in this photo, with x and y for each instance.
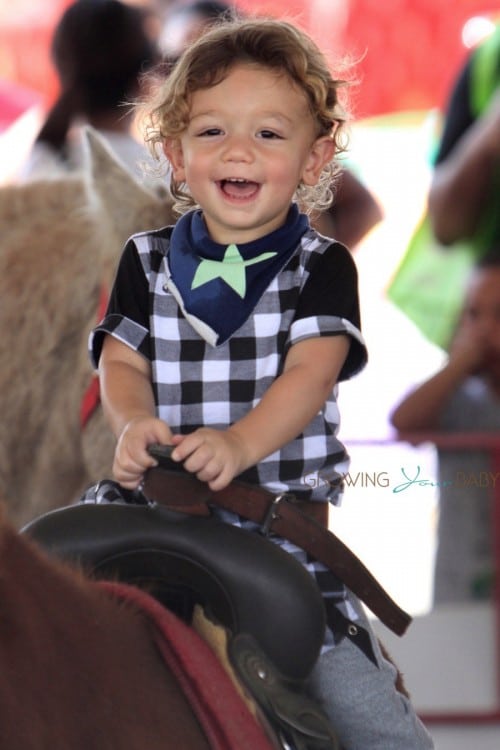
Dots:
(61, 239)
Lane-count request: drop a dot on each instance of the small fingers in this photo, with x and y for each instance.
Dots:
(201, 462)
(221, 480)
(209, 454)
(211, 471)
(201, 455)
(186, 447)
(129, 468)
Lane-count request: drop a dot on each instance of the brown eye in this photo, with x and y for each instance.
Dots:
(268, 134)
(210, 132)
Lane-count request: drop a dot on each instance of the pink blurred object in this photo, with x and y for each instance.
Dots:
(14, 101)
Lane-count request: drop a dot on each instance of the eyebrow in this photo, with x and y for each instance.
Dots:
(282, 117)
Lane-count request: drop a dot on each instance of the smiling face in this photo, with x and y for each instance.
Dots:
(249, 142)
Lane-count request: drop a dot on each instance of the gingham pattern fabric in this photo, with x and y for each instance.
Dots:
(197, 384)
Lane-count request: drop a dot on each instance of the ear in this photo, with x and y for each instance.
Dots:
(173, 151)
(322, 151)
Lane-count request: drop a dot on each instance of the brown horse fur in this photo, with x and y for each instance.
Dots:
(61, 239)
(87, 665)
(78, 669)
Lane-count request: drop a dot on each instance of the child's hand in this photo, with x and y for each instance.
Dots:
(215, 456)
(131, 455)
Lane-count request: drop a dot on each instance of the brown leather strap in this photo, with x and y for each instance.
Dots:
(316, 510)
(284, 516)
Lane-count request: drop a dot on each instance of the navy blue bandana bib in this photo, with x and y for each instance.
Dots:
(217, 286)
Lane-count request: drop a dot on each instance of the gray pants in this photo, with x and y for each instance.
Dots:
(361, 699)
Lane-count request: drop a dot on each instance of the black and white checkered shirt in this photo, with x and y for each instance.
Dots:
(197, 384)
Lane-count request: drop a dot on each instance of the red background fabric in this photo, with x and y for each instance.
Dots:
(410, 49)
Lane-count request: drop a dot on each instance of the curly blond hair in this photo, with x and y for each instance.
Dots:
(277, 45)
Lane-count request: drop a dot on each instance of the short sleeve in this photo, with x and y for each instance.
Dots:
(329, 304)
(127, 316)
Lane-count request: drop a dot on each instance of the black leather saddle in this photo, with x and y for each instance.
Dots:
(261, 594)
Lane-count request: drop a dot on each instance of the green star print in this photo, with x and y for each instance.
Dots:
(230, 269)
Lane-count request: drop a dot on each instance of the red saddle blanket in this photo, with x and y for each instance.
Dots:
(221, 712)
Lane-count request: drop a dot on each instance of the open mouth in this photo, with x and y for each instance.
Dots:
(239, 188)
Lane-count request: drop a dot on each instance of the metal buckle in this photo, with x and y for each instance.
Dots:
(271, 514)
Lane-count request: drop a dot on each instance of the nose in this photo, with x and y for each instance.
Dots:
(238, 147)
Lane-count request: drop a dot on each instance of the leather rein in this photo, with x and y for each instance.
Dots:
(283, 515)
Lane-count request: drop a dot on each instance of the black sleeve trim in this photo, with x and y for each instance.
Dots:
(130, 293)
(332, 287)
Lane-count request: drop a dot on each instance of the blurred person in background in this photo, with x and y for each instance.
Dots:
(100, 50)
(185, 21)
(464, 197)
(462, 220)
(464, 397)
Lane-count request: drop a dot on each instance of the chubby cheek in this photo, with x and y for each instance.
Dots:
(284, 177)
(293, 165)
(196, 176)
